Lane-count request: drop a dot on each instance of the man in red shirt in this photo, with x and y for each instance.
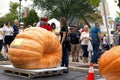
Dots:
(45, 24)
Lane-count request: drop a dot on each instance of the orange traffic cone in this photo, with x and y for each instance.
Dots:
(91, 72)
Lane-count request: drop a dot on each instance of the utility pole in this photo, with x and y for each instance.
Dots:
(106, 22)
(20, 13)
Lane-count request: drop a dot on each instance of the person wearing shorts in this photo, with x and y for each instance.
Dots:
(75, 46)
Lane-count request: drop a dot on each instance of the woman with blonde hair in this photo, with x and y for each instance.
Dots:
(85, 37)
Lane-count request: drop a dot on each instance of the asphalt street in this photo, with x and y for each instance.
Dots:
(72, 75)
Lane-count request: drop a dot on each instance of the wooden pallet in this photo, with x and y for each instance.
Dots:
(10, 70)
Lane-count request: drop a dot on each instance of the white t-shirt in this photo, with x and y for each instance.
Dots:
(85, 35)
(1, 36)
(111, 39)
(38, 24)
(104, 40)
(8, 30)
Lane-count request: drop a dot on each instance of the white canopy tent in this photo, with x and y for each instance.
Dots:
(57, 23)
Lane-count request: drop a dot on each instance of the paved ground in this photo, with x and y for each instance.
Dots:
(78, 71)
(72, 75)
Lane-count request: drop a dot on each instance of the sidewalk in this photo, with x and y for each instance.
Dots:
(82, 67)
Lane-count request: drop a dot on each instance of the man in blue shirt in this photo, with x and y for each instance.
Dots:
(15, 27)
(95, 33)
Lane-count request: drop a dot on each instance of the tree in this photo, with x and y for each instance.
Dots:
(10, 16)
(94, 17)
(118, 14)
(13, 8)
(94, 2)
(31, 17)
(119, 3)
(67, 8)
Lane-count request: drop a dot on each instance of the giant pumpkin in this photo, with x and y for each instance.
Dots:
(109, 64)
(35, 48)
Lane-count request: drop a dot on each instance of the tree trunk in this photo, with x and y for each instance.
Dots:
(87, 23)
(71, 19)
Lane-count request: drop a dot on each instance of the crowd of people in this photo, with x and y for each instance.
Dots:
(82, 42)
(8, 32)
(78, 43)
(7, 35)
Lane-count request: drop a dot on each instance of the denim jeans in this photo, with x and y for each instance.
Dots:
(95, 45)
(64, 57)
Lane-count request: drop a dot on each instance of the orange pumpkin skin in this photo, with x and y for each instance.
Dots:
(35, 48)
(109, 64)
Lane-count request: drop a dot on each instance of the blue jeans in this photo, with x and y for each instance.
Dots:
(64, 57)
(95, 45)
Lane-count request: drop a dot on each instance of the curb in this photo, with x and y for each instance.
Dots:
(85, 70)
(5, 62)
(80, 67)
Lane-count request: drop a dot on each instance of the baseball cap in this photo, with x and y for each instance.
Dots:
(44, 19)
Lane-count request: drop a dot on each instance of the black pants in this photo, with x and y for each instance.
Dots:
(64, 57)
(8, 39)
(85, 51)
(1, 45)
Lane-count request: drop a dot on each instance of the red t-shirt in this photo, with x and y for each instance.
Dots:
(46, 27)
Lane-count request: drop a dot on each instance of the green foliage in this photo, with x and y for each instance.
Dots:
(117, 19)
(10, 16)
(66, 8)
(13, 7)
(93, 17)
(94, 2)
(31, 17)
(118, 14)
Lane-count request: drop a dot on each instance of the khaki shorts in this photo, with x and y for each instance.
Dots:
(75, 48)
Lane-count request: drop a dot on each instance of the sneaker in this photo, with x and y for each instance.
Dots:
(81, 57)
(73, 60)
(86, 61)
(77, 60)
(83, 61)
